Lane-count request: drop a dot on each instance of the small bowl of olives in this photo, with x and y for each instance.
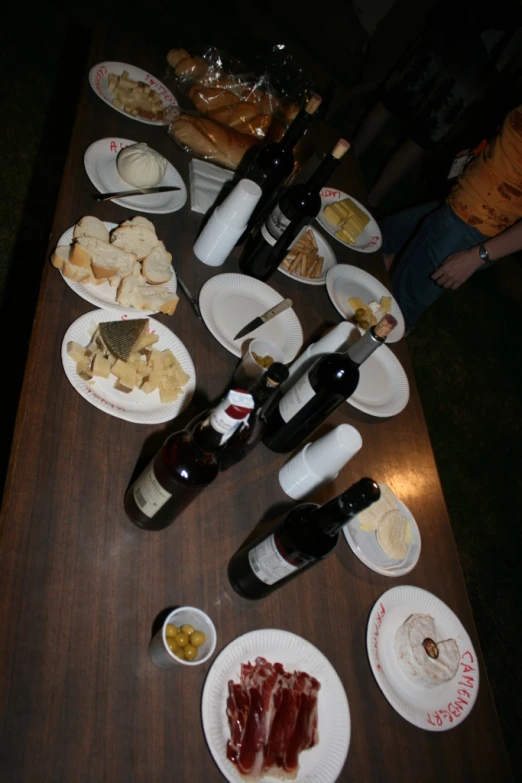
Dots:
(187, 637)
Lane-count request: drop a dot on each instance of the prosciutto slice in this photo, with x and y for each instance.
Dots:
(272, 716)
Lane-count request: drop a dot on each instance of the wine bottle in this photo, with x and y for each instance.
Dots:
(187, 463)
(308, 534)
(268, 245)
(250, 431)
(330, 381)
(275, 162)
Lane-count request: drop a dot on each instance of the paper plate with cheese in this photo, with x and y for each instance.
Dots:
(348, 221)
(385, 536)
(355, 292)
(131, 367)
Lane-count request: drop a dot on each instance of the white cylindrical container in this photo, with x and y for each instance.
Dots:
(160, 653)
(319, 462)
(227, 223)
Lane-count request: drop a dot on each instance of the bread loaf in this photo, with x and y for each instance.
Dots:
(135, 239)
(192, 68)
(90, 226)
(244, 118)
(157, 268)
(175, 56)
(207, 98)
(133, 293)
(104, 259)
(209, 140)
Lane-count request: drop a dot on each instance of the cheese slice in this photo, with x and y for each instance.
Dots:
(370, 518)
(394, 534)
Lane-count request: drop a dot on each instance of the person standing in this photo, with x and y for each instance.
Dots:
(436, 247)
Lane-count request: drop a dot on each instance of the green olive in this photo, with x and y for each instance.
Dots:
(360, 313)
(172, 644)
(364, 324)
(180, 653)
(170, 630)
(190, 652)
(181, 639)
(188, 629)
(197, 638)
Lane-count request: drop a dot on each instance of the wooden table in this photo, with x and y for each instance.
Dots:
(80, 586)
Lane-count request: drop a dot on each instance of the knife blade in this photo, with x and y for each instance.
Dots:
(189, 296)
(262, 319)
(140, 192)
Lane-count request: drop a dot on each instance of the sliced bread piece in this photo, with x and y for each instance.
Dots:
(60, 255)
(106, 259)
(90, 226)
(142, 297)
(77, 273)
(135, 239)
(157, 268)
(139, 220)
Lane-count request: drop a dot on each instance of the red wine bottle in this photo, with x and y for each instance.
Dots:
(187, 463)
(275, 162)
(308, 534)
(250, 431)
(268, 245)
(329, 382)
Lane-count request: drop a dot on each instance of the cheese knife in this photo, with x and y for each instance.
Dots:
(262, 319)
(140, 192)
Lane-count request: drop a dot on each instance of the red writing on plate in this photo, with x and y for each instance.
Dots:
(98, 76)
(105, 402)
(329, 193)
(456, 708)
(373, 241)
(116, 146)
(375, 634)
(160, 89)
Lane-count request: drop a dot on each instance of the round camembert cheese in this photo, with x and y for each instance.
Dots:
(413, 643)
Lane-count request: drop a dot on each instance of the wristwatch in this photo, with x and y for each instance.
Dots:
(483, 253)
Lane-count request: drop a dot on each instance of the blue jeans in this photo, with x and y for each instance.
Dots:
(422, 238)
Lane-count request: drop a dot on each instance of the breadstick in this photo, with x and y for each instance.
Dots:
(312, 258)
(303, 266)
(295, 263)
(318, 268)
(312, 240)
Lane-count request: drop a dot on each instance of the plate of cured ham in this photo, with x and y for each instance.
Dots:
(274, 708)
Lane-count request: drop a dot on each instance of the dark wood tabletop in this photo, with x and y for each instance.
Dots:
(80, 586)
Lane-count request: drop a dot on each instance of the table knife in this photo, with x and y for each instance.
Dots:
(262, 319)
(140, 192)
(189, 296)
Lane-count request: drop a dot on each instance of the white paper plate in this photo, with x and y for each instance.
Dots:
(104, 295)
(365, 546)
(100, 164)
(136, 406)
(383, 388)
(433, 709)
(324, 250)
(228, 302)
(368, 241)
(344, 281)
(206, 183)
(321, 764)
(99, 81)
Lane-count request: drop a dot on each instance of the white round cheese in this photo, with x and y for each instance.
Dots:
(140, 166)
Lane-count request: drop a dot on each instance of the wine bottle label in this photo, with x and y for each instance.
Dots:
(276, 223)
(148, 493)
(267, 563)
(266, 236)
(295, 398)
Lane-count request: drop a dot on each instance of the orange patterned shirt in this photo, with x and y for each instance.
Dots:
(488, 194)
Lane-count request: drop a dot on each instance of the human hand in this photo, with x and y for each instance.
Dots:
(457, 268)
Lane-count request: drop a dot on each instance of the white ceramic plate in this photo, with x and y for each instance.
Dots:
(321, 764)
(136, 406)
(206, 183)
(383, 388)
(365, 546)
(228, 302)
(368, 241)
(100, 164)
(344, 281)
(103, 295)
(433, 709)
(99, 81)
(324, 250)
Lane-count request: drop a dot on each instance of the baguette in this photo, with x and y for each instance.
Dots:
(139, 220)
(193, 68)
(211, 141)
(243, 117)
(207, 98)
(60, 256)
(90, 226)
(175, 56)
(157, 268)
(132, 293)
(76, 273)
